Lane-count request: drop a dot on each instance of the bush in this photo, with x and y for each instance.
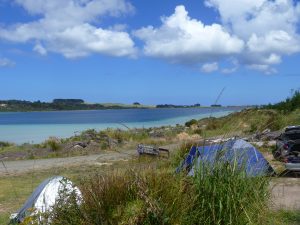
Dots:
(53, 144)
(191, 122)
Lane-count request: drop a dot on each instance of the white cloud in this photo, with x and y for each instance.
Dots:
(69, 27)
(257, 33)
(209, 67)
(263, 68)
(269, 29)
(186, 40)
(4, 62)
(279, 42)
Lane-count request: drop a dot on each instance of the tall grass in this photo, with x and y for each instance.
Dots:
(217, 195)
(226, 195)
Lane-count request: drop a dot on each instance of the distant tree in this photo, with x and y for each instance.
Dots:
(166, 106)
(136, 103)
(68, 101)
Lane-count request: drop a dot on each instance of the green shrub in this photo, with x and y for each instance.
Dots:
(191, 122)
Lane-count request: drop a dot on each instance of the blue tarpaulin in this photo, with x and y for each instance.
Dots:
(238, 151)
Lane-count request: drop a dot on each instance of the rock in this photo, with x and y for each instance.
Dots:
(77, 147)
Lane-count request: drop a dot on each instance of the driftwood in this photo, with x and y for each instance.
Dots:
(151, 150)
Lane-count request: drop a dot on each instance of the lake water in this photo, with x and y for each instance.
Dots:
(35, 127)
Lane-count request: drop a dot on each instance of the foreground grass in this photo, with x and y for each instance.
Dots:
(147, 191)
(15, 189)
(289, 217)
(150, 193)
(156, 196)
(153, 197)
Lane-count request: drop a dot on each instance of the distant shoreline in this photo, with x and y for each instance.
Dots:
(79, 104)
(121, 108)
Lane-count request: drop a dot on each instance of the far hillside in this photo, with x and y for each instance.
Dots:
(61, 104)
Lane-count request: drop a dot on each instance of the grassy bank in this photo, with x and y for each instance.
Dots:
(245, 122)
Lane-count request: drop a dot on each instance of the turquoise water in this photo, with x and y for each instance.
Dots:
(35, 127)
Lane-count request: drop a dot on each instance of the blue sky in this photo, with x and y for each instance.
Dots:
(153, 52)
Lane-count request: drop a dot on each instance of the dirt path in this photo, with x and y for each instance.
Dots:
(286, 193)
(21, 166)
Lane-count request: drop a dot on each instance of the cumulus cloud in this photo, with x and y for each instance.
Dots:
(69, 27)
(4, 62)
(269, 29)
(209, 67)
(257, 33)
(186, 40)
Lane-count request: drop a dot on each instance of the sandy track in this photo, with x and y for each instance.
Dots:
(21, 166)
(286, 193)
